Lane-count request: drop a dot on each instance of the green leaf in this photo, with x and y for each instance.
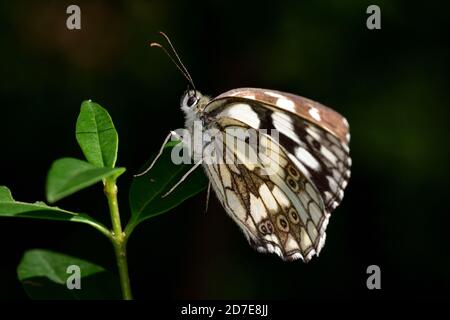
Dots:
(39, 210)
(96, 135)
(146, 191)
(69, 175)
(45, 275)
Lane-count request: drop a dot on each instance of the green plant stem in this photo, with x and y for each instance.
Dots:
(118, 238)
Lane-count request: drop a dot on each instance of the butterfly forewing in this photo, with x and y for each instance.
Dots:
(306, 108)
(321, 154)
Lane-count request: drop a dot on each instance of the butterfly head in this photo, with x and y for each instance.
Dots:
(192, 101)
(189, 100)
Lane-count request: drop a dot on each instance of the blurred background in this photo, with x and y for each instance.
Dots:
(391, 84)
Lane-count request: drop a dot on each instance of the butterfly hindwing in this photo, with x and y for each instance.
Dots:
(278, 209)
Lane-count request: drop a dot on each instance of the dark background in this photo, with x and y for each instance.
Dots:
(391, 84)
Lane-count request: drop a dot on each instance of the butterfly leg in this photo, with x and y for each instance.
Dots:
(183, 178)
(208, 192)
(171, 133)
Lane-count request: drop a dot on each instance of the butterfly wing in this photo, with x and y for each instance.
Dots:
(308, 109)
(278, 209)
(314, 136)
(309, 168)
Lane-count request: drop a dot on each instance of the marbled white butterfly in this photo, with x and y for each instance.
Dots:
(285, 212)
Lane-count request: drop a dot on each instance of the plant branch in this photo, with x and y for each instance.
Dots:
(118, 237)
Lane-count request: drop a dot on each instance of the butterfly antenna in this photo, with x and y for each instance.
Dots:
(178, 57)
(155, 44)
(177, 61)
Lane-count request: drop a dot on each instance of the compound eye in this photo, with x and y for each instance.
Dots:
(191, 100)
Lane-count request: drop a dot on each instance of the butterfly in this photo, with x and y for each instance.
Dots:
(282, 198)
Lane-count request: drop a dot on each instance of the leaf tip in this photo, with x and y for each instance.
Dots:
(51, 199)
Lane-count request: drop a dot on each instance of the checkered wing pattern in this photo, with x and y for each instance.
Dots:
(281, 190)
